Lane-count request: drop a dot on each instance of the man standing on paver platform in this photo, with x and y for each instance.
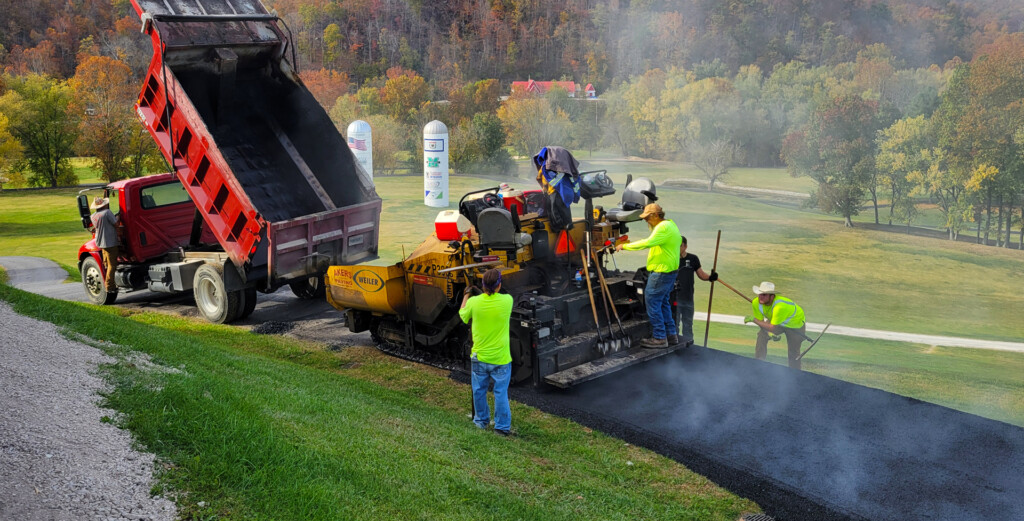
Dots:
(662, 268)
(775, 315)
(105, 224)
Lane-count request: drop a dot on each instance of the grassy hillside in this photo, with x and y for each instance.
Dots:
(263, 427)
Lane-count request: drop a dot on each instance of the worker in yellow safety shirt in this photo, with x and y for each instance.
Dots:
(662, 268)
(775, 315)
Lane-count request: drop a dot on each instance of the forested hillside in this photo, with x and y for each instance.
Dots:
(584, 40)
(899, 103)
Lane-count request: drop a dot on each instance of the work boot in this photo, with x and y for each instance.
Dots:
(672, 340)
(654, 343)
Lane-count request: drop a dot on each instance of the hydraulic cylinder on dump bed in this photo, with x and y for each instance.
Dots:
(269, 173)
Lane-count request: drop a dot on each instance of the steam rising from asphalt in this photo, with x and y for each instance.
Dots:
(860, 451)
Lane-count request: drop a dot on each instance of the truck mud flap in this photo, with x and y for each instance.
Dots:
(604, 366)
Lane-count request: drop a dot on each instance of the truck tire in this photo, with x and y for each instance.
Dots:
(92, 280)
(311, 288)
(215, 303)
(248, 302)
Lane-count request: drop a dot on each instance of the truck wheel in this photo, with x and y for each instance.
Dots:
(248, 302)
(310, 288)
(215, 304)
(95, 288)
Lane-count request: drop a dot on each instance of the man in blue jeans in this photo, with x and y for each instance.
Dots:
(662, 267)
(488, 315)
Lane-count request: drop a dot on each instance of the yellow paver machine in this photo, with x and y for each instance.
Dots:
(573, 320)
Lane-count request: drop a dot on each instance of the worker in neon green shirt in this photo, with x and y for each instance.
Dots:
(775, 315)
(488, 315)
(662, 268)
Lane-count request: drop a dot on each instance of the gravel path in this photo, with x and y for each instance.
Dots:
(58, 460)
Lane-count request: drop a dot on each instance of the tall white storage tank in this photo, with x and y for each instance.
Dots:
(435, 164)
(360, 140)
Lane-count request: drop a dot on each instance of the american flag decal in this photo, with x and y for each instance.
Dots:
(357, 144)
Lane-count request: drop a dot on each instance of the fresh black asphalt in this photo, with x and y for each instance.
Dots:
(805, 446)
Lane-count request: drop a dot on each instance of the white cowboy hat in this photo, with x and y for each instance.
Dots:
(766, 287)
(100, 202)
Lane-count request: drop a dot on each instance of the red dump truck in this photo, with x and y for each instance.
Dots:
(263, 192)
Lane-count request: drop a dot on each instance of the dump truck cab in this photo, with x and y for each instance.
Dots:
(276, 195)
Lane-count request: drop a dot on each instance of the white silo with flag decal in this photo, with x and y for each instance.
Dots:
(435, 164)
(360, 141)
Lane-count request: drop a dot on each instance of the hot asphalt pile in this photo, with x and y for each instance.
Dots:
(804, 446)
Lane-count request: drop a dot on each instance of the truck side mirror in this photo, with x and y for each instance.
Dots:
(83, 210)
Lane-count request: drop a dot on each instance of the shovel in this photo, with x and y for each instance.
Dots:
(616, 344)
(815, 341)
(624, 341)
(601, 344)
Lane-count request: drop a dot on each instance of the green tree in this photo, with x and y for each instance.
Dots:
(369, 101)
(390, 137)
(837, 151)
(333, 38)
(902, 155)
(346, 109)
(143, 155)
(38, 108)
(704, 118)
(478, 145)
(531, 123)
(949, 188)
(10, 150)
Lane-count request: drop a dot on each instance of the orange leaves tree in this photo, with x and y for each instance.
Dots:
(104, 93)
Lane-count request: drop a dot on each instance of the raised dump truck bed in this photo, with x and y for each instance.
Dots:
(278, 196)
(268, 171)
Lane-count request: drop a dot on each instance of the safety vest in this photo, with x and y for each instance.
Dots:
(782, 312)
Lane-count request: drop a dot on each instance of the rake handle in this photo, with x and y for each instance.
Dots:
(711, 294)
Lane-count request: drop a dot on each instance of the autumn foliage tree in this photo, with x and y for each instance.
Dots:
(403, 94)
(982, 113)
(104, 93)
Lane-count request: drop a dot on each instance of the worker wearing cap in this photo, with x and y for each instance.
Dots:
(104, 223)
(775, 315)
(662, 267)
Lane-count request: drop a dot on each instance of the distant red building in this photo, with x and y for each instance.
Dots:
(541, 87)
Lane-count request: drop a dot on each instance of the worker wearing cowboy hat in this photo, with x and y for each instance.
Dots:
(774, 315)
(104, 223)
(662, 268)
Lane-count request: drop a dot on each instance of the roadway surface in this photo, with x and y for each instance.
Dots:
(803, 446)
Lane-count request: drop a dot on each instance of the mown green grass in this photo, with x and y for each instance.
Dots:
(86, 170)
(42, 223)
(849, 276)
(263, 427)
